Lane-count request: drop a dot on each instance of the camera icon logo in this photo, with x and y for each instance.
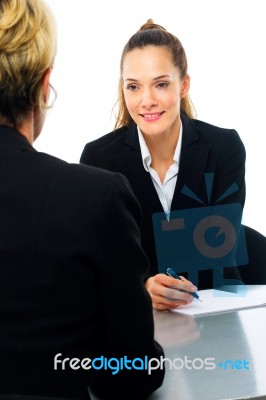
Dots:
(209, 248)
(209, 237)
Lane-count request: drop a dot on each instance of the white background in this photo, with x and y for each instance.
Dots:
(225, 42)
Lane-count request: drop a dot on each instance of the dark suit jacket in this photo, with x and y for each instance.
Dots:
(205, 149)
(71, 277)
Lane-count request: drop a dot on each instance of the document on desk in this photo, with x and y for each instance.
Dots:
(218, 301)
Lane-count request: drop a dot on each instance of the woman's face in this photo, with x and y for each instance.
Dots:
(153, 90)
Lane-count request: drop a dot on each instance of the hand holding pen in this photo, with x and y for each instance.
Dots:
(168, 292)
(172, 273)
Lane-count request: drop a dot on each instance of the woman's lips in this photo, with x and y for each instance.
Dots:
(152, 117)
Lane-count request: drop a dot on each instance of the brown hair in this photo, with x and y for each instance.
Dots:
(151, 34)
(27, 50)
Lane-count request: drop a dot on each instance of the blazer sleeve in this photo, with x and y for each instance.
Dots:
(85, 157)
(231, 170)
(126, 319)
(231, 174)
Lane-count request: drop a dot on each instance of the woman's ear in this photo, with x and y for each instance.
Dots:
(45, 85)
(185, 86)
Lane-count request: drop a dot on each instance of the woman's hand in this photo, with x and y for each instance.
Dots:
(166, 293)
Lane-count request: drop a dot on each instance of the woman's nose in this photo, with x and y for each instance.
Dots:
(148, 99)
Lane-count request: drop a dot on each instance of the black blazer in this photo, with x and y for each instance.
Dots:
(205, 149)
(67, 282)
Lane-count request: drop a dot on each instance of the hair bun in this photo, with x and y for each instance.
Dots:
(151, 25)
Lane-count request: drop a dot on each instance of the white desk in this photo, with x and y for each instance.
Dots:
(236, 335)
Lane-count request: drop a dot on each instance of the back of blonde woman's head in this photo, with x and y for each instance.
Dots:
(27, 50)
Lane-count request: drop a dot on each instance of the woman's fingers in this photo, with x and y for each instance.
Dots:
(167, 292)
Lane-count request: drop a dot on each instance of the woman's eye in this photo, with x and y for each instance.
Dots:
(131, 87)
(162, 84)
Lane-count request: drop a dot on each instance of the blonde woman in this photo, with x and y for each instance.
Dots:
(65, 300)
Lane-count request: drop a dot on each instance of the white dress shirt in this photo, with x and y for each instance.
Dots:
(166, 189)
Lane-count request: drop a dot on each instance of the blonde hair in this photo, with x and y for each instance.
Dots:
(151, 34)
(27, 50)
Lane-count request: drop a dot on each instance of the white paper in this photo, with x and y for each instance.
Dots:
(216, 301)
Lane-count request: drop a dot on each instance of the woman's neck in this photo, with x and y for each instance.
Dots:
(25, 128)
(162, 149)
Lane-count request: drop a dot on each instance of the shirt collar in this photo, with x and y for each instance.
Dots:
(146, 155)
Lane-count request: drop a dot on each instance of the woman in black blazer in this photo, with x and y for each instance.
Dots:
(173, 161)
(72, 322)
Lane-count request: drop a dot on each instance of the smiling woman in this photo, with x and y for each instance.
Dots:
(151, 34)
(160, 147)
(155, 92)
(153, 100)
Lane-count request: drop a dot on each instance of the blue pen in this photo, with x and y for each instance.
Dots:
(173, 274)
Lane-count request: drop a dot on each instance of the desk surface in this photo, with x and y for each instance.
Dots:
(235, 341)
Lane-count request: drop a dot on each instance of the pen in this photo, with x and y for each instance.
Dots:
(173, 274)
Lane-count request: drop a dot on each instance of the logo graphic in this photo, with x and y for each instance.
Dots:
(116, 365)
(208, 237)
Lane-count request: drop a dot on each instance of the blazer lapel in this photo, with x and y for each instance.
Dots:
(193, 161)
(129, 162)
